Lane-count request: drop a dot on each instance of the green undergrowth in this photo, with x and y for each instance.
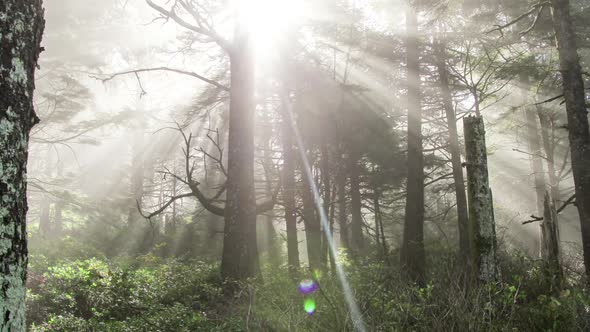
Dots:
(154, 294)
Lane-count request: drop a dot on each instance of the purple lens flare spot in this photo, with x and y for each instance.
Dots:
(307, 286)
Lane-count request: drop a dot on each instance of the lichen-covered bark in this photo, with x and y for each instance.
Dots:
(21, 28)
(240, 253)
(482, 227)
(577, 115)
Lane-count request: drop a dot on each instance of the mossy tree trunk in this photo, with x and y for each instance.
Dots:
(21, 29)
(482, 226)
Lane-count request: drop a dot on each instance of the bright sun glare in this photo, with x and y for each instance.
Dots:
(270, 20)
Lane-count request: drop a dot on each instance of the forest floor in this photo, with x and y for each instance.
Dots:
(150, 293)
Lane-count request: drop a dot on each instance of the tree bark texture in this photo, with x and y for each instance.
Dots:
(21, 29)
(482, 226)
(551, 242)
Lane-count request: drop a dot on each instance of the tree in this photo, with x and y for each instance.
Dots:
(577, 115)
(21, 29)
(412, 252)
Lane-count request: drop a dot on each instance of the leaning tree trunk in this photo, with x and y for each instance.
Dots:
(21, 28)
(577, 116)
(240, 254)
(482, 226)
(460, 195)
(412, 251)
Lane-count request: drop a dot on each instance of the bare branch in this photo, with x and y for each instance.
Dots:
(178, 71)
(561, 208)
(201, 27)
(163, 207)
(500, 28)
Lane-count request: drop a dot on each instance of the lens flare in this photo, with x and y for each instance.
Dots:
(307, 286)
(317, 274)
(309, 306)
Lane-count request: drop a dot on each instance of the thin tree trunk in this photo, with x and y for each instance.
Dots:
(313, 232)
(379, 222)
(412, 251)
(326, 186)
(342, 216)
(240, 253)
(268, 218)
(534, 144)
(137, 175)
(481, 210)
(356, 225)
(289, 196)
(21, 29)
(549, 148)
(577, 116)
(551, 243)
(461, 198)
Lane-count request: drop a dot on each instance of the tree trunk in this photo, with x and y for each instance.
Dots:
(21, 29)
(137, 175)
(577, 116)
(289, 196)
(313, 231)
(342, 216)
(547, 126)
(481, 211)
(461, 198)
(240, 252)
(551, 243)
(379, 222)
(412, 251)
(356, 225)
(268, 218)
(534, 144)
(326, 186)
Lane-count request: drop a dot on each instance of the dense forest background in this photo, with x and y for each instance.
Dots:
(291, 165)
